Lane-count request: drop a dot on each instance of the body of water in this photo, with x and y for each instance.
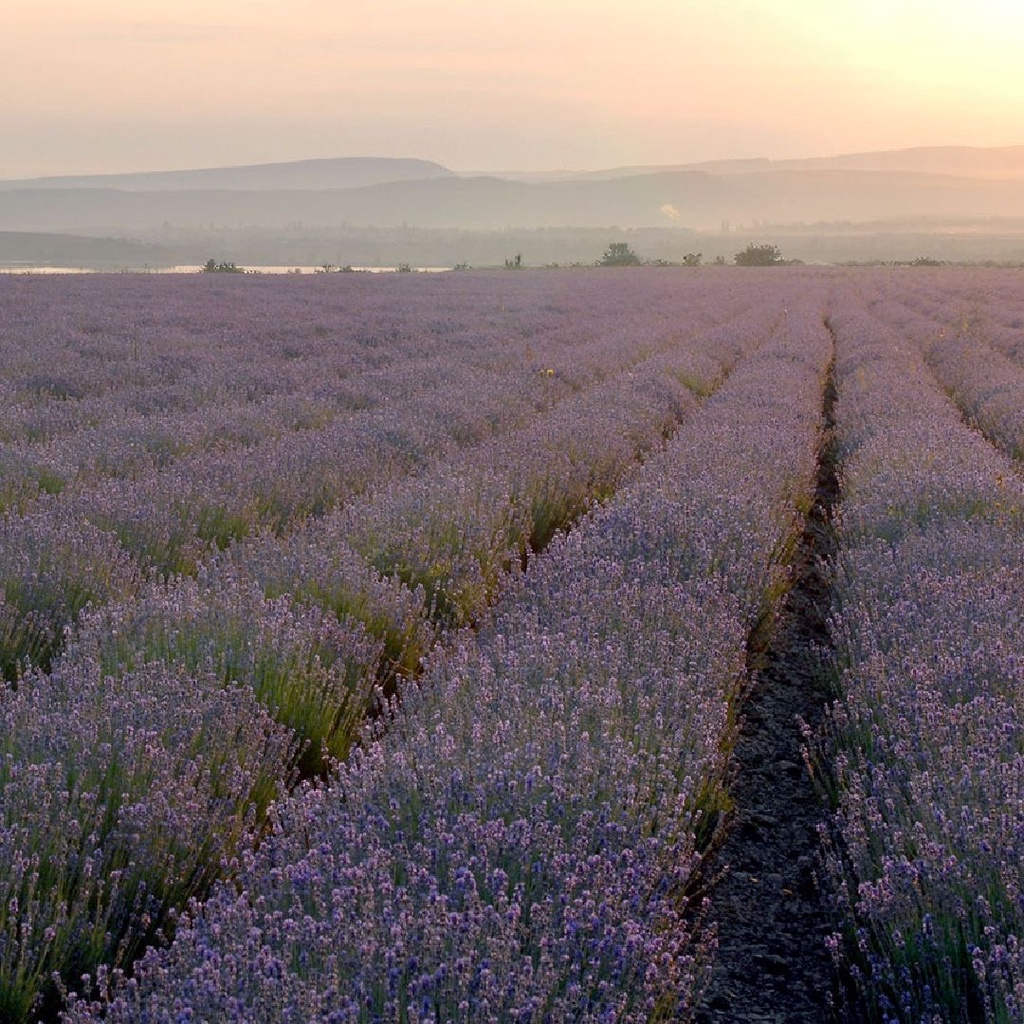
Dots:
(15, 268)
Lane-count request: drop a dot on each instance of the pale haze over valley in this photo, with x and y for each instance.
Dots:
(531, 93)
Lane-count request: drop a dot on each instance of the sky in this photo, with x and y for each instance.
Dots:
(91, 86)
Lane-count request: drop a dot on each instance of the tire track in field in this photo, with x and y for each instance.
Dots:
(772, 964)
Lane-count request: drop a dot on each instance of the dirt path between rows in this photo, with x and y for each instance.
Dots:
(772, 963)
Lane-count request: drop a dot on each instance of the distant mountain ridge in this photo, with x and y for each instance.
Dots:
(983, 163)
(339, 172)
(956, 161)
(941, 183)
(691, 199)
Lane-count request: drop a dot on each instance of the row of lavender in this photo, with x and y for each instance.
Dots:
(972, 340)
(929, 770)
(123, 796)
(90, 394)
(519, 842)
(119, 380)
(298, 619)
(317, 619)
(107, 350)
(96, 542)
(454, 527)
(991, 304)
(407, 408)
(173, 518)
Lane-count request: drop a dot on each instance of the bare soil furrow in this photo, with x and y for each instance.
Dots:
(773, 965)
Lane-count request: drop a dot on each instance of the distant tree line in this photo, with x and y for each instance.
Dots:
(211, 266)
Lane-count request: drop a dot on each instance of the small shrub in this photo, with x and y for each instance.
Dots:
(766, 255)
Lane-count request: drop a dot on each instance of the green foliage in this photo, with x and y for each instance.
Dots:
(693, 259)
(699, 385)
(619, 254)
(766, 255)
(221, 525)
(314, 673)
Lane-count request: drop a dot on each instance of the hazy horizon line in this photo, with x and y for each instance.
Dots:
(505, 169)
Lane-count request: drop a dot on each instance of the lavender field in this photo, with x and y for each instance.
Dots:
(377, 648)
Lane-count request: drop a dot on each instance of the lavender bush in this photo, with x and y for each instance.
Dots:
(120, 798)
(316, 674)
(170, 369)
(987, 386)
(174, 515)
(316, 566)
(53, 566)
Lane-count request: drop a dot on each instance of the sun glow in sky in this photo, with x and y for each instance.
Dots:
(108, 85)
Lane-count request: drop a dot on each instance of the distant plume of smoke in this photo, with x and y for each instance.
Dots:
(670, 211)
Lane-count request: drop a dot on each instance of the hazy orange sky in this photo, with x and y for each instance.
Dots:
(109, 85)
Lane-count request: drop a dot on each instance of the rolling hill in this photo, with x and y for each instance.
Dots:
(693, 199)
(342, 172)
